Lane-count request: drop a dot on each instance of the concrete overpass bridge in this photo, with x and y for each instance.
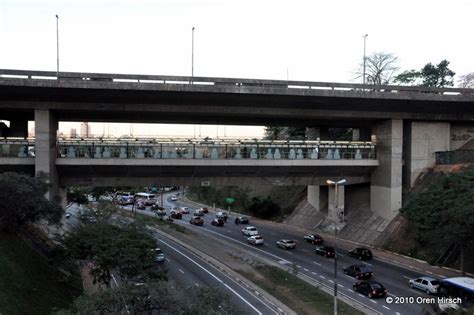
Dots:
(407, 125)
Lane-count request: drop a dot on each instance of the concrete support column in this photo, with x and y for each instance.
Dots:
(62, 192)
(18, 128)
(313, 196)
(46, 126)
(386, 180)
(333, 213)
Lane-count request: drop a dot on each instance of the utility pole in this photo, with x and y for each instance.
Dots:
(192, 56)
(363, 75)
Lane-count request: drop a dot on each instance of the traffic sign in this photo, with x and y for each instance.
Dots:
(229, 200)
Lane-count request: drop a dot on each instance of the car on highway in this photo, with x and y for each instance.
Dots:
(148, 199)
(156, 207)
(255, 240)
(286, 244)
(176, 214)
(204, 209)
(217, 222)
(359, 271)
(68, 215)
(250, 231)
(125, 198)
(184, 210)
(196, 220)
(161, 212)
(241, 220)
(372, 289)
(174, 198)
(159, 256)
(141, 205)
(428, 284)
(326, 251)
(222, 215)
(199, 212)
(361, 253)
(313, 239)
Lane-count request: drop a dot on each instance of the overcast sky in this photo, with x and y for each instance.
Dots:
(306, 40)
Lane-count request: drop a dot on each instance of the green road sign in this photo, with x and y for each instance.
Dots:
(229, 200)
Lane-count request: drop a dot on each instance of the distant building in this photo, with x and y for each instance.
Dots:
(31, 133)
(85, 130)
(73, 133)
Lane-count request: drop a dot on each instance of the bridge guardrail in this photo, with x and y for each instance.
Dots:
(454, 157)
(236, 82)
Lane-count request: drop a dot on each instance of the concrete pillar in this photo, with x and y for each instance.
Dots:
(313, 196)
(386, 179)
(424, 140)
(333, 213)
(62, 192)
(18, 128)
(355, 134)
(46, 126)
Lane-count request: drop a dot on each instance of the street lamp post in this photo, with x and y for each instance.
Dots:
(336, 183)
(363, 75)
(192, 56)
(57, 46)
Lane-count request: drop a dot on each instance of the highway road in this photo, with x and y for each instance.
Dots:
(318, 268)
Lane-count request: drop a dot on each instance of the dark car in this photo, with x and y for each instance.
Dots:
(361, 253)
(205, 209)
(325, 251)
(242, 220)
(156, 207)
(174, 214)
(217, 222)
(313, 239)
(359, 271)
(222, 215)
(372, 289)
(197, 220)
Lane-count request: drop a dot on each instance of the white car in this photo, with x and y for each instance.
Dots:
(174, 198)
(185, 210)
(250, 230)
(428, 284)
(159, 256)
(255, 240)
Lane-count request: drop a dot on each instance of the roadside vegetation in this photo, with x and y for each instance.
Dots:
(153, 221)
(300, 296)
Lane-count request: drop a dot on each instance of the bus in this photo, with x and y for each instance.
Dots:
(459, 289)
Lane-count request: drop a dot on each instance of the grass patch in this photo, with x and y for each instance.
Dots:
(300, 296)
(28, 283)
(154, 221)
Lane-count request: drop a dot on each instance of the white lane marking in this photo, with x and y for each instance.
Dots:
(373, 301)
(229, 231)
(386, 307)
(397, 313)
(305, 269)
(331, 281)
(314, 273)
(429, 272)
(304, 250)
(407, 277)
(289, 253)
(299, 266)
(167, 259)
(215, 277)
(181, 270)
(317, 263)
(360, 295)
(340, 285)
(366, 263)
(322, 277)
(197, 284)
(351, 290)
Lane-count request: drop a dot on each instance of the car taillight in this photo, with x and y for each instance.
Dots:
(374, 292)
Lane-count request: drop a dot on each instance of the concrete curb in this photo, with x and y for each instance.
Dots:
(249, 285)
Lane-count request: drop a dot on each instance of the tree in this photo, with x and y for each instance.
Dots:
(380, 68)
(99, 191)
(467, 81)
(443, 215)
(76, 195)
(430, 75)
(285, 133)
(101, 210)
(128, 251)
(23, 201)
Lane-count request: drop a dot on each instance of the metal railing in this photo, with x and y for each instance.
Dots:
(232, 82)
(17, 147)
(454, 157)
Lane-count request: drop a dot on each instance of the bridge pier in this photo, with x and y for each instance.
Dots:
(46, 126)
(333, 212)
(314, 192)
(386, 180)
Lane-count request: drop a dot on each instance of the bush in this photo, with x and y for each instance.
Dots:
(263, 209)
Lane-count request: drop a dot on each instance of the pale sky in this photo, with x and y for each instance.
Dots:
(267, 39)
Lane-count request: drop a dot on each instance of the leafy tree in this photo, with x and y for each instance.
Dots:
(128, 251)
(444, 214)
(76, 195)
(154, 298)
(430, 75)
(467, 81)
(380, 68)
(23, 201)
(101, 210)
(263, 208)
(99, 191)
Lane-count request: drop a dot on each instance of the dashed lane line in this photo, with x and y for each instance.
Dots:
(386, 307)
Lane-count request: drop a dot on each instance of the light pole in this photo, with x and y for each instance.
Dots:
(340, 182)
(57, 46)
(363, 75)
(192, 56)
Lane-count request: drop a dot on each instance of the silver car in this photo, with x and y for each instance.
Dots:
(428, 284)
